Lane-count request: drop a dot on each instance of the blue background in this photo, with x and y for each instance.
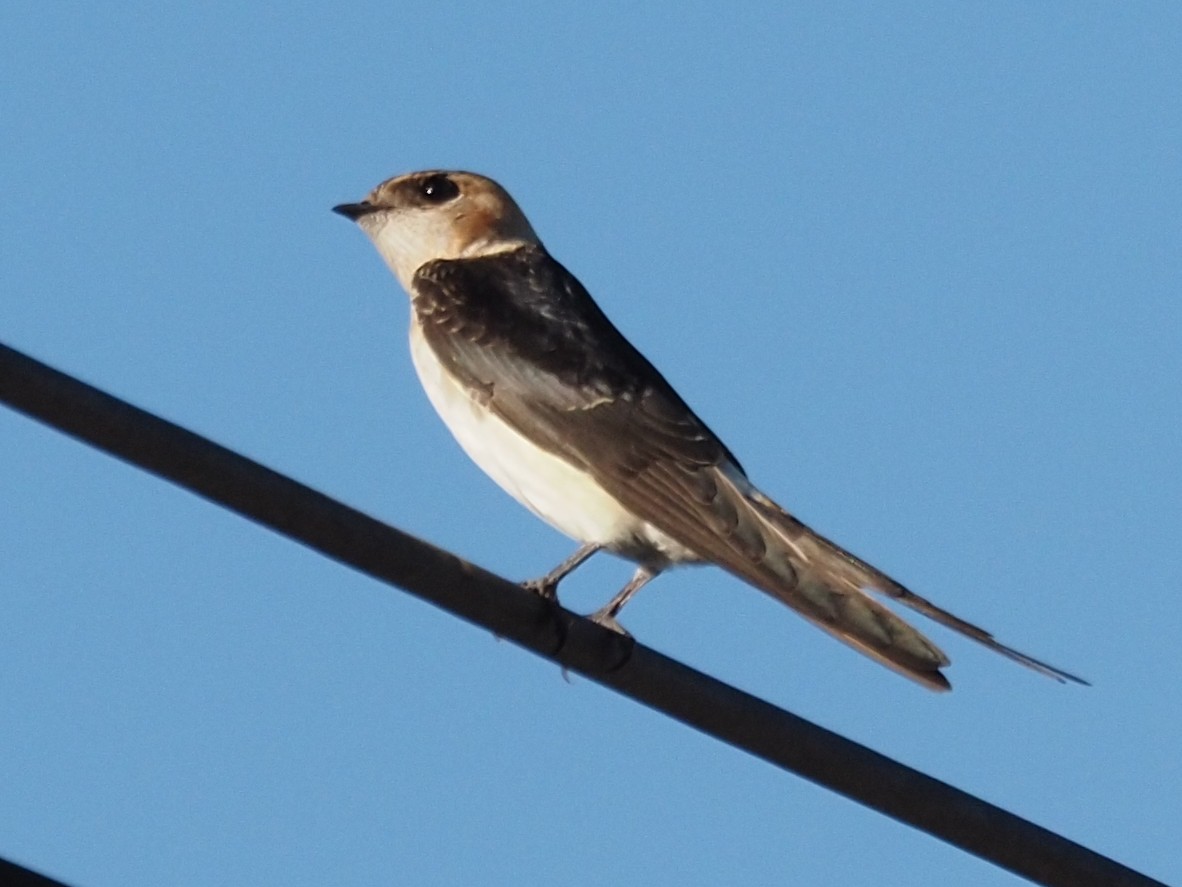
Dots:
(919, 267)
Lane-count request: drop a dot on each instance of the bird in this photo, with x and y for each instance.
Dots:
(550, 399)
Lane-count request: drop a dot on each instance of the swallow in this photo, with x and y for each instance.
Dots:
(544, 394)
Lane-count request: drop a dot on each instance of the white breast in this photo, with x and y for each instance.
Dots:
(566, 498)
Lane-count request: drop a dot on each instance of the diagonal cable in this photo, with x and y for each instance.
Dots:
(465, 590)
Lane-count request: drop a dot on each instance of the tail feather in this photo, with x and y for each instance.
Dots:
(834, 583)
(781, 560)
(867, 626)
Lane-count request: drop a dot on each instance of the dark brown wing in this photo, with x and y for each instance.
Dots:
(520, 329)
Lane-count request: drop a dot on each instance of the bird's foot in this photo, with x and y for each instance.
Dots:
(545, 588)
(607, 619)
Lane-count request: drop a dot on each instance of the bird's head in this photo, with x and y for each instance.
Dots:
(416, 218)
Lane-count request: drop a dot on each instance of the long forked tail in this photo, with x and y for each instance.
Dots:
(825, 570)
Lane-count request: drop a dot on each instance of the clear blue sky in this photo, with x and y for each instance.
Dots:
(919, 267)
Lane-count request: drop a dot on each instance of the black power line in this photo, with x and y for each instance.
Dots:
(441, 578)
(18, 876)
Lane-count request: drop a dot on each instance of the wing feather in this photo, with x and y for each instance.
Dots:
(524, 332)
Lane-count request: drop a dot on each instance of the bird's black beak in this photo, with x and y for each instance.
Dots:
(355, 211)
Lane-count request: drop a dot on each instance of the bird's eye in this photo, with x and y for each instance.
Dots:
(438, 189)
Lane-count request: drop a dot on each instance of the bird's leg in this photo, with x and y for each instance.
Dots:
(547, 586)
(606, 616)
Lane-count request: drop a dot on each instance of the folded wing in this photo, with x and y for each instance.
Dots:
(521, 330)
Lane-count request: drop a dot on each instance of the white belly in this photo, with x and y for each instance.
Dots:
(566, 498)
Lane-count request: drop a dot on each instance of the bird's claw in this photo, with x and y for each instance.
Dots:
(607, 619)
(547, 591)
